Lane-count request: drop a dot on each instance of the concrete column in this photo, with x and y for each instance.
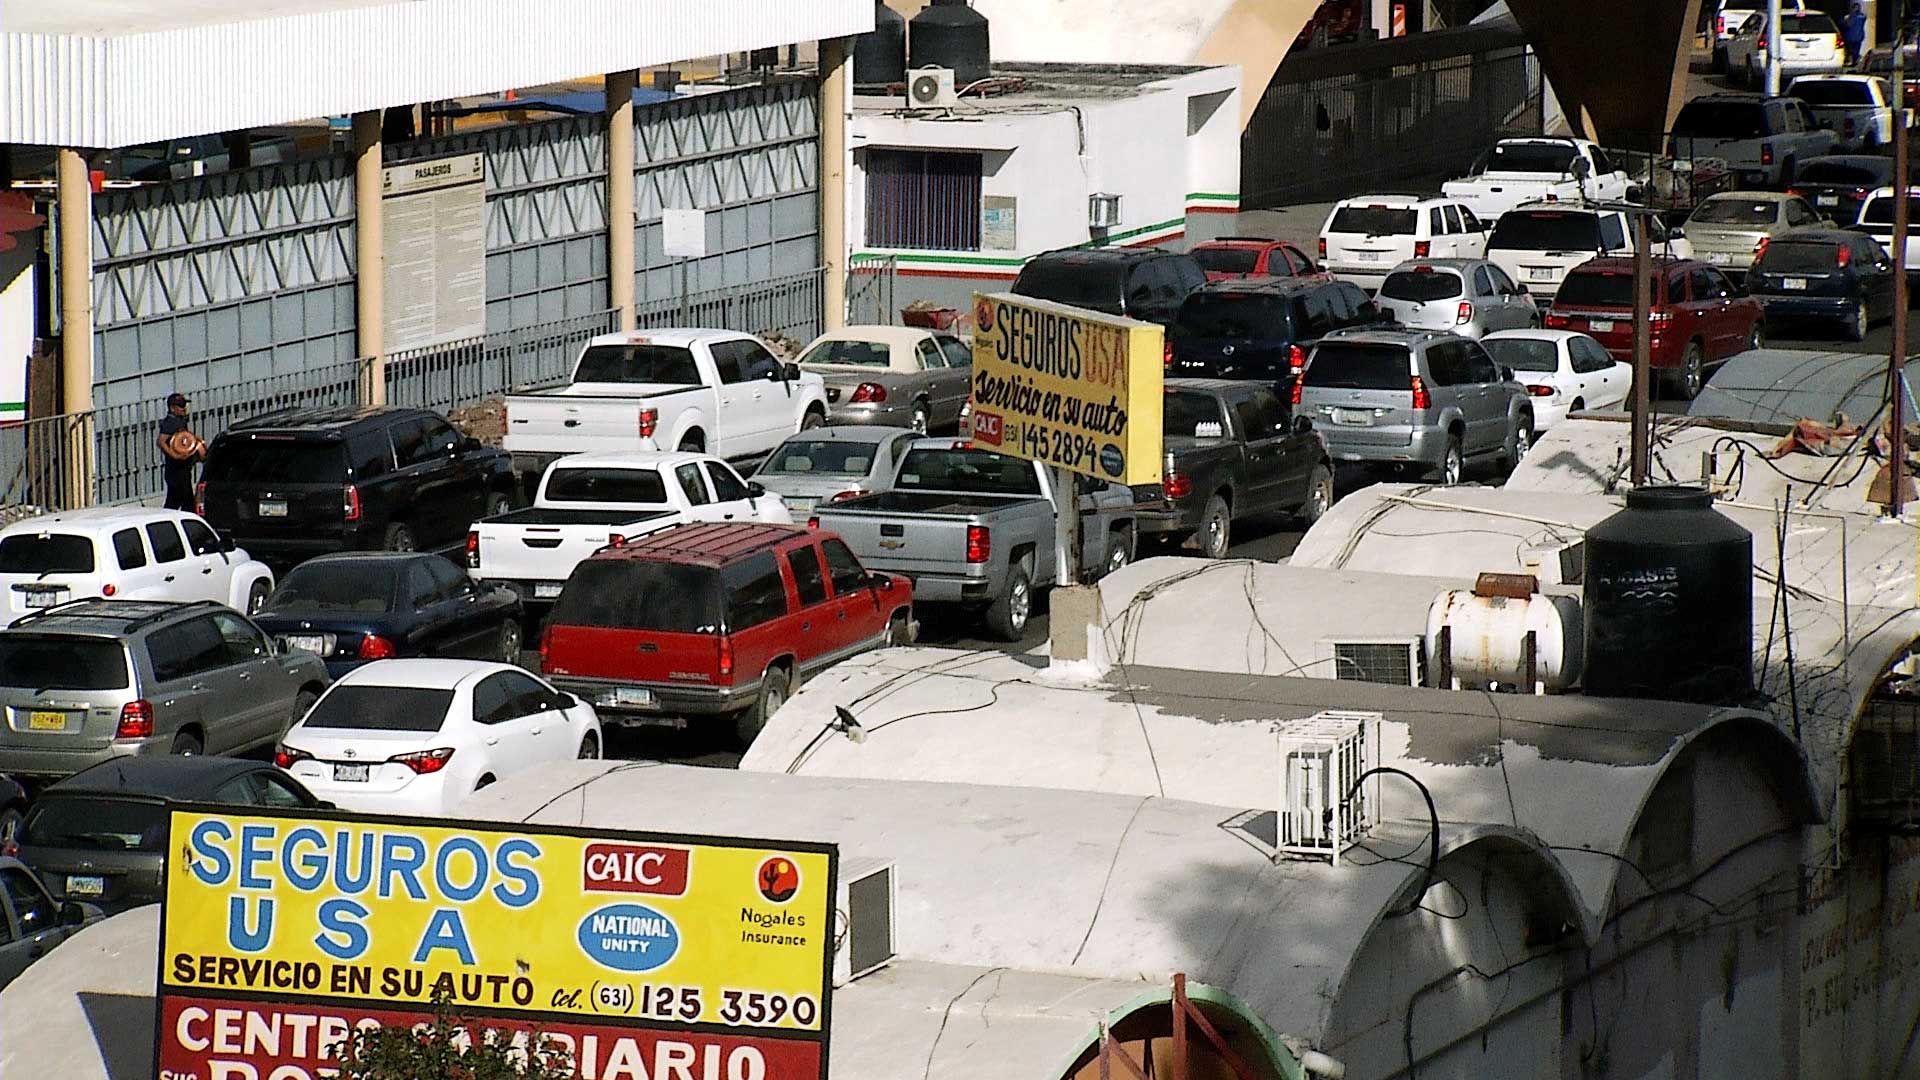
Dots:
(620, 266)
(74, 195)
(369, 230)
(836, 86)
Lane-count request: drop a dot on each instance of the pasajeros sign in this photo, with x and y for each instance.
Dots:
(1068, 387)
(282, 933)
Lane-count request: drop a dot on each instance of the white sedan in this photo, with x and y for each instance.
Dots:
(1564, 371)
(418, 736)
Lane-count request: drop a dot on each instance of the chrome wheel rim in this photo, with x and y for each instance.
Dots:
(9, 829)
(1522, 442)
(1322, 498)
(1116, 558)
(1450, 472)
(403, 540)
(1693, 372)
(1860, 320)
(775, 699)
(1018, 605)
(1217, 534)
(510, 641)
(589, 749)
(919, 422)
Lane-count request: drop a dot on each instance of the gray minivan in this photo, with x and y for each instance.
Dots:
(1421, 398)
(93, 680)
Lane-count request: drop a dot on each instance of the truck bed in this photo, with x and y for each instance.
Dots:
(931, 503)
(541, 515)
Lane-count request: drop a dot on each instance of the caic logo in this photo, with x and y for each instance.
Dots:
(635, 868)
(778, 879)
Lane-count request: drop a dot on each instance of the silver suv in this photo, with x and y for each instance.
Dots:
(1421, 398)
(96, 679)
(1470, 297)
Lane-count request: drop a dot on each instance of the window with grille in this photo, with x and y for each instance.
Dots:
(1396, 663)
(923, 199)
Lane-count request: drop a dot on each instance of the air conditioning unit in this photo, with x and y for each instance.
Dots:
(1393, 661)
(931, 88)
(1321, 758)
(1103, 211)
(863, 919)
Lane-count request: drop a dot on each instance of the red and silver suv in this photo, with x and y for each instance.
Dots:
(716, 619)
(1698, 318)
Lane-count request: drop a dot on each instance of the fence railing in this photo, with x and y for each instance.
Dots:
(792, 307)
(465, 373)
(870, 292)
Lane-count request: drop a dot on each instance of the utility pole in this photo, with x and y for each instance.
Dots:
(1896, 385)
(1642, 346)
(1773, 47)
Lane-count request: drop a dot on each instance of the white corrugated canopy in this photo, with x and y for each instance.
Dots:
(109, 73)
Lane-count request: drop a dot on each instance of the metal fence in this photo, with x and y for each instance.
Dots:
(791, 307)
(870, 291)
(466, 373)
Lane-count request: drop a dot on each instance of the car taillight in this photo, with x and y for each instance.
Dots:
(546, 646)
(1465, 314)
(200, 498)
(813, 522)
(1177, 485)
(1421, 399)
(473, 549)
(1166, 354)
(350, 503)
(1323, 247)
(284, 756)
(375, 647)
(1299, 381)
(979, 543)
(1801, 194)
(136, 720)
(1660, 318)
(1766, 153)
(1539, 391)
(646, 420)
(726, 656)
(1720, 24)
(1840, 256)
(423, 762)
(1296, 360)
(1422, 248)
(1557, 321)
(843, 496)
(1760, 248)
(109, 589)
(616, 540)
(868, 393)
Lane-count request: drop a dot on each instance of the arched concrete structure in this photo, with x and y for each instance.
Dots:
(1619, 71)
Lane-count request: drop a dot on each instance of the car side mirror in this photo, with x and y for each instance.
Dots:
(227, 544)
(1677, 233)
(468, 442)
(789, 372)
(1302, 425)
(1581, 169)
(72, 914)
(883, 582)
(563, 701)
(755, 489)
(1506, 373)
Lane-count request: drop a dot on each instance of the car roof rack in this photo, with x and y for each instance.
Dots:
(137, 622)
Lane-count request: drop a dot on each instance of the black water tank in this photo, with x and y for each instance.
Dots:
(1669, 600)
(880, 56)
(949, 34)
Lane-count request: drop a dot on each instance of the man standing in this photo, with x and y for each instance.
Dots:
(1853, 33)
(181, 448)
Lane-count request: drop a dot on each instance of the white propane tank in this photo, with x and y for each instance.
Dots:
(1477, 638)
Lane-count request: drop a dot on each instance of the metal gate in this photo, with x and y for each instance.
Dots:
(1400, 112)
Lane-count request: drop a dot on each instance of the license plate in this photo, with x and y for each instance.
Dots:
(46, 721)
(1367, 256)
(547, 590)
(356, 774)
(273, 508)
(47, 597)
(1719, 258)
(1793, 283)
(1539, 273)
(313, 643)
(1600, 326)
(633, 697)
(1827, 200)
(79, 885)
(1352, 416)
(801, 504)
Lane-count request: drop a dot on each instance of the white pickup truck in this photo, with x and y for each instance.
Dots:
(1858, 109)
(711, 391)
(1539, 169)
(590, 501)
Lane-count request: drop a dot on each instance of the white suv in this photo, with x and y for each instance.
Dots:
(1537, 243)
(1365, 237)
(126, 553)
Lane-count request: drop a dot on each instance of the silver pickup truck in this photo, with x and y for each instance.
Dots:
(977, 529)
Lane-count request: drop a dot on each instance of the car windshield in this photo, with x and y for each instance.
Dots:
(1358, 366)
(1880, 211)
(276, 459)
(1736, 212)
(1524, 354)
(1807, 24)
(95, 822)
(1590, 289)
(941, 469)
(363, 585)
(46, 553)
(1832, 92)
(820, 457)
(1545, 230)
(1720, 120)
(1554, 158)
(606, 486)
(1374, 221)
(380, 708)
(849, 354)
(632, 594)
(1798, 255)
(641, 363)
(1096, 286)
(1227, 260)
(50, 662)
(1420, 285)
(1190, 414)
(1843, 172)
(1231, 315)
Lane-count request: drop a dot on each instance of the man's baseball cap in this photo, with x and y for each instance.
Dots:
(176, 398)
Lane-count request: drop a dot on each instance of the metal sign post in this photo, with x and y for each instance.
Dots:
(1773, 47)
(1896, 385)
(1067, 536)
(683, 235)
(1642, 349)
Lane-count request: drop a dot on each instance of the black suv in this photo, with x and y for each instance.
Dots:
(1261, 331)
(304, 482)
(1140, 283)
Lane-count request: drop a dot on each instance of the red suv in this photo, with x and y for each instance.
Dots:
(706, 619)
(1233, 257)
(1699, 318)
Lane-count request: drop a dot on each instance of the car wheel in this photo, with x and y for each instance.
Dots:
(257, 596)
(399, 538)
(1007, 618)
(773, 694)
(898, 632)
(1216, 529)
(509, 646)
(1119, 550)
(1857, 324)
(1756, 337)
(693, 444)
(10, 819)
(1520, 443)
(302, 705)
(921, 417)
(498, 503)
(812, 420)
(589, 747)
(187, 744)
(1691, 378)
(1319, 495)
(1454, 464)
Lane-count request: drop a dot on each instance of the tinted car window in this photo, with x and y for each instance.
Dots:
(1374, 221)
(32, 907)
(93, 822)
(166, 542)
(1358, 366)
(200, 539)
(849, 353)
(756, 363)
(1096, 285)
(1525, 354)
(266, 459)
(977, 471)
(1880, 211)
(820, 457)
(1720, 120)
(409, 442)
(1256, 422)
(1227, 260)
(1232, 315)
(1416, 286)
(1789, 255)
(726, 362)
(755, 592)
(1191, 414)
(1545, 230)
(1844, 172)
(843, 569)
(1806, 24)
(272, 790)
(186, 648)
(54, 553)
(606, 486)
(423, 589)
(688, 476)
(382, 708)
(1613, 232)
(726, 485)
(958, 354)
(1737, 212)
(1447, 364)
(637, 364)
(631, 594)
(128, 551)
(448, 578)
(242, 640)
(369, 454)
(61, 663)
(1526, 157)
(1602, 290)
(1480, 367)
(808, 581)
(1701, 286)
(338, 585)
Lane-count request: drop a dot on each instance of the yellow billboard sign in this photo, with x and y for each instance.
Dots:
(1068, 387)
(643, 928)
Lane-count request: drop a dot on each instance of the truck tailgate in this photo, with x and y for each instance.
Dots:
(577, 423)
(913, 532)
(548, 552)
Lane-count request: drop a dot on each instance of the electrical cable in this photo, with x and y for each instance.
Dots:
(1433, 816)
